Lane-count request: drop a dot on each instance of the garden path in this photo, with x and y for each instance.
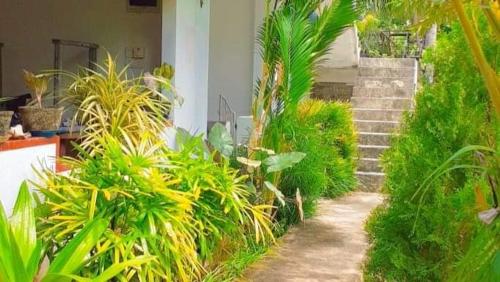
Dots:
(329, 247)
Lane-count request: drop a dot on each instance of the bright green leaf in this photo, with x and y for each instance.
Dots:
(23, 223)
(221, 139)
(71, 258)
(283, 161)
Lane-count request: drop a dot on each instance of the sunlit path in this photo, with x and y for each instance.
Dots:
(329, 247)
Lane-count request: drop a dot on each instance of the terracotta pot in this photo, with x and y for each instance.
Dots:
(5, 118)
(41, 119)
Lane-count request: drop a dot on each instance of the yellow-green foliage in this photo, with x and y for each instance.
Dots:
(450, 114)
(180, 207)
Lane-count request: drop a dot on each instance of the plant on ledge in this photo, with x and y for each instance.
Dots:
(35, 117)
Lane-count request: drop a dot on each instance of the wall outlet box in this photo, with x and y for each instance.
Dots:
(137, 53)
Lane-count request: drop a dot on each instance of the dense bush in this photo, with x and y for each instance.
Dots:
(325, 132)
(181, 208)
(159, 202)
(338, 138)
(450, 114)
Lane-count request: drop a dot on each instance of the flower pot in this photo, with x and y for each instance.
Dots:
(41, 119)
(5, 118)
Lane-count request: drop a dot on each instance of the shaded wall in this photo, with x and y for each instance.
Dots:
(28, 26)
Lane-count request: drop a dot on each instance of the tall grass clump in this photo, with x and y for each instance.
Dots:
(430, 237)
(336, 129)
(324, 131)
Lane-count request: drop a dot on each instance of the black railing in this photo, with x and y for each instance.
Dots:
(226, 114)
(397, 44)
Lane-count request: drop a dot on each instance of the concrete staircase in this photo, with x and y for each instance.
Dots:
(384, 90)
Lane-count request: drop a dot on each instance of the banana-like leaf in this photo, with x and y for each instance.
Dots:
(283, 161)
(11, 263)
(276, 191)
(71, 258)
(23, 224)
(221, 140)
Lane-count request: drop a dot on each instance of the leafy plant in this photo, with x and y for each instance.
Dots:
(38, 85)
(291, 46)
(22, 253)
(324, 131)
(109, 103)
(447, 231)
(168, 204)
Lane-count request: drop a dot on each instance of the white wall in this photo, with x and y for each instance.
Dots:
(17, 166)
(231, 55)
(27, 28)
(190, 58)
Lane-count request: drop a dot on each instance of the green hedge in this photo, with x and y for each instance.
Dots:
(450, 114)
(325, 132)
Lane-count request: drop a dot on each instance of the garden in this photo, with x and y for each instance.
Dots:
(133, 207)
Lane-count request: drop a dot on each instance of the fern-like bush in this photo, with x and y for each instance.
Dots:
(428, 240)
(324, 131)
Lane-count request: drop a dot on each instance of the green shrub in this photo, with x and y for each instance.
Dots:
(324, 132)
(339, 140)
(450, 114)
(180, 208)
(167, 204)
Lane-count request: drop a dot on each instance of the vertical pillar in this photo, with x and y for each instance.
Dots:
(185, 44)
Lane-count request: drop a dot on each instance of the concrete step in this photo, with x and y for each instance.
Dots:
(376, 126)
(371, 151)
(370, 181)
(408, 72)
(385, 82)
(387, 62)
(381, 92)
(371, 138)
(377, 114)
(392, 103)
(369, 165)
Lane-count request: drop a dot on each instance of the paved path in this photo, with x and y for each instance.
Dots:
(329, 247)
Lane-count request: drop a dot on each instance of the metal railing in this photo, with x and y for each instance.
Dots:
(58, 44)
(226, 114)
(399, 44)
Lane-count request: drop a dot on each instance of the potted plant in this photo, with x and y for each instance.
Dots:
(40, 121)
(5, 119)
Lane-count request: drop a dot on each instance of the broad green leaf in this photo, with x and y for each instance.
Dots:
(23, 224)
(221, 139)
(70, 259)
(7, 269)
(248, 162)
(35, 259)
(283, 161)
(277, 193)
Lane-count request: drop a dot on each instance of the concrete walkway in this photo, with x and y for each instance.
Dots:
(329, 247)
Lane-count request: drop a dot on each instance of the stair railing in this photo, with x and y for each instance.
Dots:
(226, 114)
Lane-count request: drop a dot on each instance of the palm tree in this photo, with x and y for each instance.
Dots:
(293, 39)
